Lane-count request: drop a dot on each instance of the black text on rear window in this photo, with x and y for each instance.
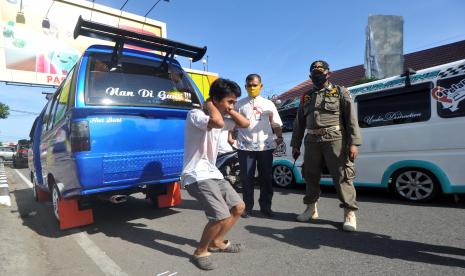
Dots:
(138, 82)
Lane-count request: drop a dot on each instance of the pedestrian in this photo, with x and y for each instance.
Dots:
(256, 144)
(202, 180)
(327, 113)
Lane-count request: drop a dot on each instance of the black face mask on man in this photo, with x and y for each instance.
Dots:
(318, 78)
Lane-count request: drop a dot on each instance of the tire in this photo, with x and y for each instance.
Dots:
(153, 201)
(283, 176)
(56, 197)
(153, 191)
(35, 194)
(415, 185)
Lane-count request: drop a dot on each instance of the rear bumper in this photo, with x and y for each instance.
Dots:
(22, 161)
(7, 158)
(127, 169)
(123, 188)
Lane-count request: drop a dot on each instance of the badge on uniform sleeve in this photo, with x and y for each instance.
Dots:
(347, 93)
(305, 99)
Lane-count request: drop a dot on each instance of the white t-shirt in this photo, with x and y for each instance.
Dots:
(223, 144)
(201, 147)
(263, 116)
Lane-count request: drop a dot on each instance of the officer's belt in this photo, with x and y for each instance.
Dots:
(323, 131)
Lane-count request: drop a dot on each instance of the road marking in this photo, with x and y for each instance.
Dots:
(163, 273)
(97, 255)
(5, 200)
(100, 258)
(4, 192)
(24, 179)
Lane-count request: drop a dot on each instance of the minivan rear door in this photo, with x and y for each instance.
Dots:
(135, 112)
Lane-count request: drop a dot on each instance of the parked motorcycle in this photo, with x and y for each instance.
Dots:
(228, 164)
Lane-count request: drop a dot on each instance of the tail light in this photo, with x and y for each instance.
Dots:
(80, 137)
(22, 151)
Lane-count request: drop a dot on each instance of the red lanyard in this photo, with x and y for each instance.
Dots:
(257, 111)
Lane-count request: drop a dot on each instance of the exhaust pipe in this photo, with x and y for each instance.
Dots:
(118, 199)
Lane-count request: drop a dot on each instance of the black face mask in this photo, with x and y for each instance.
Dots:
(318, 79)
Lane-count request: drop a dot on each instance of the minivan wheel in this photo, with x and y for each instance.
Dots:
(415, 185)
(154, 200)
(283, 176)
(55, 199)
(34, 189)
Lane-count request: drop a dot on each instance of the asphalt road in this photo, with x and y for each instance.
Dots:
(134, 238)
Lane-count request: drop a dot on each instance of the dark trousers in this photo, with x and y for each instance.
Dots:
(263, 161)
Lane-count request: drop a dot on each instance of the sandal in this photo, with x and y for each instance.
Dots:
(203, 262)
(229, 248)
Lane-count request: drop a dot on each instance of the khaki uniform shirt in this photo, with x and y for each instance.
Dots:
(321, 109)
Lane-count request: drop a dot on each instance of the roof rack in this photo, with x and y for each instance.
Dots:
(121, 37)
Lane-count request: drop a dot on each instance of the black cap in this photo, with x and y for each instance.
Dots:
(321, 63)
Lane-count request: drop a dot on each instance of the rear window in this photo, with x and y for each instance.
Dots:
(138, 82)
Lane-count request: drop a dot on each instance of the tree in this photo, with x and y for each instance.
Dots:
(4, 111)
(363, 80)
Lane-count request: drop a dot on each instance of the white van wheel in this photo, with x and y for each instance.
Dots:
(283, 176)
(415, 185)
(55, 200)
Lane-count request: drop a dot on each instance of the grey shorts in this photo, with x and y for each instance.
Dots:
(216, 196)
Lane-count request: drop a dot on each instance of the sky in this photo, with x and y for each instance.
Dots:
(276, 39)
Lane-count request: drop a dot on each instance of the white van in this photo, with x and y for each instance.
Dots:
(413, 135)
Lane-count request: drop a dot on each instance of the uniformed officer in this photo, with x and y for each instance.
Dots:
(327, 113)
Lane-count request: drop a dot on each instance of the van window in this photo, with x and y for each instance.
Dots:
(139, 82)
(450, 97)
(46, 116)
(287, 117)
(288, 111)
(72, 88)
(62, 99)
(288, 123)
(395, 106)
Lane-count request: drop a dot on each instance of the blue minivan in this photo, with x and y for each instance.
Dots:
(115, 125)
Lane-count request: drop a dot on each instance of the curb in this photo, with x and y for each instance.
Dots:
(4, 192)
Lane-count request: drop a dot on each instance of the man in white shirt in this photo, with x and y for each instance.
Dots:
(256, 144)
(201, 178)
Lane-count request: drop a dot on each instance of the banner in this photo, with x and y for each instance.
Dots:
(37, 44)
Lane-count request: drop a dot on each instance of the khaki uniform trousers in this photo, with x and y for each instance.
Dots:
(342, 170)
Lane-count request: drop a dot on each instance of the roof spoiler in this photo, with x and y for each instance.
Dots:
(121, 37)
